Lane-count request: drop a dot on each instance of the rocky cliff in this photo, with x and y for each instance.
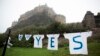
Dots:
(39, 16)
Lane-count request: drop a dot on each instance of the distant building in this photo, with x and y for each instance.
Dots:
(91, 21)
(38, 10)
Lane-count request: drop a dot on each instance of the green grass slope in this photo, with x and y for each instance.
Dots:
(93, 49)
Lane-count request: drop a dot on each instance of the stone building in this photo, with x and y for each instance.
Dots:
(97, 20)
(91, 21)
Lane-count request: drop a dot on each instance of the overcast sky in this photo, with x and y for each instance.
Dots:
(73, 10)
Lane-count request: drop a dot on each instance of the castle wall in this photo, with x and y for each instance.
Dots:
(91, 21)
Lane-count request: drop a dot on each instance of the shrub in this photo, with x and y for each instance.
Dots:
(53, 28)
(2, 39)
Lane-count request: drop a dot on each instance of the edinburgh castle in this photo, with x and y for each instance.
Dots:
(90, 20)
(39, 10)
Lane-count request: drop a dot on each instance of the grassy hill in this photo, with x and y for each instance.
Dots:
(93, 49)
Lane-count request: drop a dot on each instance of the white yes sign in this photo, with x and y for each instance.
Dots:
(77, 41)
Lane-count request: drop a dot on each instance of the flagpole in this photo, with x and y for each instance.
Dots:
(5, 46)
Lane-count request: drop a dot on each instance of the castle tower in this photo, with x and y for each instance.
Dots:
(89, 20)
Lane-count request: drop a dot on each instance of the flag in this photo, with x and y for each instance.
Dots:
(20, 36)
(27, 36)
